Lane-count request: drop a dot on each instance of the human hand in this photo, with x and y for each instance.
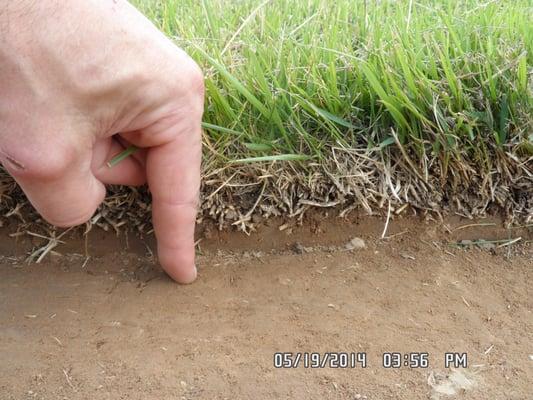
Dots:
(78, 84)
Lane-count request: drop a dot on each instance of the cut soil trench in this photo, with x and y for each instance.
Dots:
(114, 326)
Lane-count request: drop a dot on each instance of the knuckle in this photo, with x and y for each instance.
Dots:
(52, 164)
(189, 78)
(41, 162)
(196, 78)
(66, 223)
(61, 213)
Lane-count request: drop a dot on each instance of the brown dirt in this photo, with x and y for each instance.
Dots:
(115, 327)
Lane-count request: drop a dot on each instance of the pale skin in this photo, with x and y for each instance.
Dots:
(81, 80)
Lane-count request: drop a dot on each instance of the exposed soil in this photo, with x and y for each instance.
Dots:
(113, 326)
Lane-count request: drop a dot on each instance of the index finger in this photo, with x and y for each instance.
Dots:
(173, 174)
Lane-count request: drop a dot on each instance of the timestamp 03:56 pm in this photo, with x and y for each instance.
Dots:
(359, 360)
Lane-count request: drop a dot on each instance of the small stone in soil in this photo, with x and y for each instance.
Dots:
(355, 244)
(298, 248)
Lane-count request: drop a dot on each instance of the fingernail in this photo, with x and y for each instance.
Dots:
(192, 276)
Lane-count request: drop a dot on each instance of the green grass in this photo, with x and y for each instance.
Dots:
(452, 78)
(443, 88)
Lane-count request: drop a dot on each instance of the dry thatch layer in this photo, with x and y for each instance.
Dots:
(375, 181)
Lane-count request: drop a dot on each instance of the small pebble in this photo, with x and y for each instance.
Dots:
(285, 281)
(355, 244)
